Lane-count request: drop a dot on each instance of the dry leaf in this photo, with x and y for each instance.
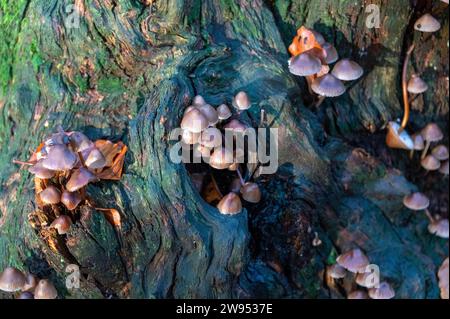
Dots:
(115, 157)
(304, 41)
(112, 216)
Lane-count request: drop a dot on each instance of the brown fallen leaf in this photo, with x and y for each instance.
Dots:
(304, 41)
(115, 157)
(112, 216)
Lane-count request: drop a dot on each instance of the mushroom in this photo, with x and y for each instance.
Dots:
(439, 227)
(305, 64)
(210, 113)
(198, 100)
(384, 291)
(440, 152)
(62, 224)
(194, 121)
(354, 261)
(328, 85)
(79, 141)
(358, 294)
(31, 282)
(427, 23)
(416, 201)
(241, 101)
(332, 54)
(223, 112)
(251, 193)
(235, 126)
(41, 172)
(71, 199)
(347, 70)
(230, 204)
(367, 280)
(443, 279)
(189, 137)
(416, 85)
(430, 163)
(59, 158)
(431, 133)
(45, 290)
(59, 138)
(319, 37)
(316, 240)
(221, 158)
(397, 138)
(95, 159)
(336, 271)
(50, 196)
(26, 295)
(80, 178)
(211, 138)
(12, 280)
(444, 168)
(419, 144)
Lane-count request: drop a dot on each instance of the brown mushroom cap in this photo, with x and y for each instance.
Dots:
(347, 70)
(50, 195)
(385, 291)
(189, 137)
(444, 168)
(31, 282)
(194, 121)
(71, 199)
(230, 205)
(432, 133)
(198, 100)
(41, 172)
(439, 228)
(305, 64)
(211, 137)
(235, 126)
(62, 224)
(45, 290)
(354, 260)
(416, 201)
(241, 101)
(427, 23)
(80, 178)
(430, 163)
(416, 85)
(223, 112)
(60, 158)
(443, 279)
(328, 85)
(440, 152)
(358, 294)
(79, 141)
(12, 280)
(397, 140)
(336, 271)
(364, 280)
(221, 158)
(251, 193)
(332, 54)
(95, 159)
(419, 143)
(210, 113)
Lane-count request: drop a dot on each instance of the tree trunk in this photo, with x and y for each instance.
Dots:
(127, 72)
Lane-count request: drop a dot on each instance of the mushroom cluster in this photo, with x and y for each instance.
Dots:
(26, 286)
(350, 271)
(311, 58)
(203, 133)
(63, 166)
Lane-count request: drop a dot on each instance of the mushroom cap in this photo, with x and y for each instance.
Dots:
(397, 140)
(347, 70)
(328, 85)
(427, 23)
(62, 224)
(385, 291)
(432, 133)
(211, 137)
(444, 168)
(365, 280)
(241, 101)
(419, 143)
(210, 113)
(50, 195)
(80, 178)
(221, 158)
(439, 228)
(233, 167)
(336, 271)
(235, 126)
(194, 121)
(71, 199)
(60, 138)
(332, 54)
(354, 260)
(41, 172)
(198, 100)
(430, 163)
(358, 294)
(443, 279)
(12, 280)
(440, 152)
(230, 204)
(31, 282)
(251, 193)
(224, 112)
(79, 141)
(189, 108)
(189, 137)
(416, 201)
(305, 64)
(319, 37)
(26, 295)
(416, 85)
(59, 158)
(45, 290)
(95, 159)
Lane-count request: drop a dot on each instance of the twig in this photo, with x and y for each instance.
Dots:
(405, 89)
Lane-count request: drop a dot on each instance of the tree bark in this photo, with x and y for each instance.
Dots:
(129, 70)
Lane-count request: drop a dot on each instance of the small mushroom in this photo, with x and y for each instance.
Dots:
(62, 224)
(431, 133)
(80, 178)
(194, 121)
(347, 70)
(336, 271)
(241, 101)
(328, 85)
(427, 23)
(60, 158)
(416, 201)
(305, 64)
(419, 144)
(443, 279)
(223, 112)
(12, 280)
(319, 37)
(358, 294)
(332, 54)
(235, 126)
(210, 113)
(384, 291)
(26, 295)
(251, 193)
(71, 199)
(41, 172)
(79, 141)
(95, 159)
(416, 85)
(439, 227)
(198, 100)
(45, 290)
(367, 280)
(230, 204)
(397, 138)
(189, 137)
(211, 138)
(31, 282)
(430, 163)
(50, 196)
(440, 152)
(354, 261)
(444, 168)
(221, 158)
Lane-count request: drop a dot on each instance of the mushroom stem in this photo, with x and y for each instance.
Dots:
(405, 89)
(430, 217)
(241, 179)
(81, 159)
(216, 186)
(411, 154)
(309, 80)
(320, 101)
(425, 150)
(22, 163)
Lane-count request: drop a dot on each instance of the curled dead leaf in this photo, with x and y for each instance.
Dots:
(115, 157)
